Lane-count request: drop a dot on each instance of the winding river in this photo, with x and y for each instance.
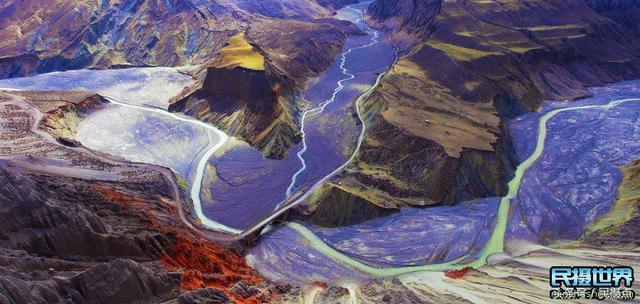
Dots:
(338, 254)
(199, 171)
(340, 86)
(136, 125)
(495, 243)
(242, 188)
(238, 189)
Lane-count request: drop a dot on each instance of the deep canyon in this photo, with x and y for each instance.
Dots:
(203, 151)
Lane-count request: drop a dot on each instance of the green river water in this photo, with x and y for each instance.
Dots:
(496, 241)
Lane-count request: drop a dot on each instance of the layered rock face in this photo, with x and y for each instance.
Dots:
(466, 68)
(79, 227)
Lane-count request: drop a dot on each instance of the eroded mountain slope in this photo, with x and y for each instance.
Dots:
(438, 120)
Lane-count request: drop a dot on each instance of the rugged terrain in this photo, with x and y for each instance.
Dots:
(44, 36)
(81, 226)
(87, 228)
(261, 104)
(53, 35)
(438, 120)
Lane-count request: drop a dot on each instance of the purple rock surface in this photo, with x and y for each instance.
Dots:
(283, 256)
(576, 178)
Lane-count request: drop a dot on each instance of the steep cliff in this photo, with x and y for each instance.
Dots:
(466, 68)
(246, 103)
(334, 206)
(64, 110)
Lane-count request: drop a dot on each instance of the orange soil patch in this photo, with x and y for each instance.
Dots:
(202, 263)
(457, 274)
(206, 265)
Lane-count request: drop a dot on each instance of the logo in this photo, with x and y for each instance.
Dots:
(591, 283)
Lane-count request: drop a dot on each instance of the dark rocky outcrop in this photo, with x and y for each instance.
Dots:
(120, 281)
(204, 296)
(15, 290)
(260, 105)
(408, 15)
(48, 250)
(244, 290)
(247, 103)
(123, 281)
(337, 207)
